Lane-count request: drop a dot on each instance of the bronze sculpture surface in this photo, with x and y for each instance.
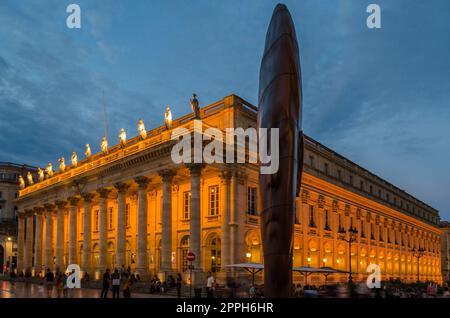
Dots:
(280, 106)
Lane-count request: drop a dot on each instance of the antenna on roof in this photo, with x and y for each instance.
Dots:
(104, 115)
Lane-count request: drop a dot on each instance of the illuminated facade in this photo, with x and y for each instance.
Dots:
(9, 191)
(445, 250)
(133, 206)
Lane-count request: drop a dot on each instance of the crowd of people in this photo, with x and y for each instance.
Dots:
(118, 283)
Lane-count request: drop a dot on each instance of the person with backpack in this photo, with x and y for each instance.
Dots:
(115, 279)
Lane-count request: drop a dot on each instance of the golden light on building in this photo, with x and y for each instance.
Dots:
(141, 181)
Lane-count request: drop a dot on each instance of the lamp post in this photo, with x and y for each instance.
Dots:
(418, 254)
(352, 231)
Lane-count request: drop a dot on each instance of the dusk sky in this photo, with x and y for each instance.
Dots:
(379, 97)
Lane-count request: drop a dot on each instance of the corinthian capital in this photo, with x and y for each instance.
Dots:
(167, 175)
(104, 192)
(142, 181)
(121, 187)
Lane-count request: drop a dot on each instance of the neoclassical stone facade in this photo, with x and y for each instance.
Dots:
(134, 206)
(9, 191)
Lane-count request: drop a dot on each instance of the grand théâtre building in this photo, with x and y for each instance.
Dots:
(133, 206)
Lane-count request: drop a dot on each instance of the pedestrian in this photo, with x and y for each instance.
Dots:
(65, 287)
(115, 278)
(49, 279)
(210, 286)
(59, 283)
(178, 283)
(105, 284)
(126, 286)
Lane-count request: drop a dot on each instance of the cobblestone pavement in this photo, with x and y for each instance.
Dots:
(28, 290)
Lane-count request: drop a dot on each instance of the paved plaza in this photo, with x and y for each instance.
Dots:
(28, 290)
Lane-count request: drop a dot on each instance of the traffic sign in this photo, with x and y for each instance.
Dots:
(190, 257)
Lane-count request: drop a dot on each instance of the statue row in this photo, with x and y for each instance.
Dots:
(49, 172)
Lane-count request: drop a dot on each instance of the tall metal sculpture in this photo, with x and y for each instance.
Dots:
(280, 106)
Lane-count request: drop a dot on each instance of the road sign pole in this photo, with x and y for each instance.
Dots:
(190, 279)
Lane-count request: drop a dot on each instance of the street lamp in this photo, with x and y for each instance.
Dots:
(309, 260)
(248, 255)
(418, 254)
(324, 260)
(352, 231)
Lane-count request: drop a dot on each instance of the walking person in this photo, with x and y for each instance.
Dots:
(178, 284)
(49, 279)
(65, 287)
(210, 286)
(105, 284)
(59, 283)
(115, 278)
(126, 286)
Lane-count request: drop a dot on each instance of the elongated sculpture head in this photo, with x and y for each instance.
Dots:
(280, 107)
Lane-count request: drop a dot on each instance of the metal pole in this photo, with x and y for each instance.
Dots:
(350, 260)
(190, 280)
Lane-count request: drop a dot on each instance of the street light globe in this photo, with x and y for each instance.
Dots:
(338, 261)
(9, 238)
(309, 259)
(324, 259)
(248, 254)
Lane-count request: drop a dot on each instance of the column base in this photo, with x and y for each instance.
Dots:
(198, 278)
(143, 273)
(163, 274)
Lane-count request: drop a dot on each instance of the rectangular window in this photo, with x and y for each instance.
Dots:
(380, 234)
(127, 215)
(1, 194)
(96, 219)
(311, 160)
(213, 200)
(339, 174)
(362, 229)
(370, 189)
(311, 216)
(325, 168)
(327, 225)
(251, 200)
(186, 205)
(351, 180)
(387, 197)
(110, 218)
(361, 185)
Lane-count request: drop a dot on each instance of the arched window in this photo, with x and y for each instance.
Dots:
(184, 246)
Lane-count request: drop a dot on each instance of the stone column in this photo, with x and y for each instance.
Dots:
(121, 230)
(29, 242)
(142, 255)
(103, 222)
(195, 224)
(38, 242)
(86, 266)
(48, 260)
(234, 248)
(166, 233)
(59, 262)
(21, 243)
(225, 242)
(73, 258)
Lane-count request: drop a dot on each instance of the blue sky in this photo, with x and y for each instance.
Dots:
(379, 97)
